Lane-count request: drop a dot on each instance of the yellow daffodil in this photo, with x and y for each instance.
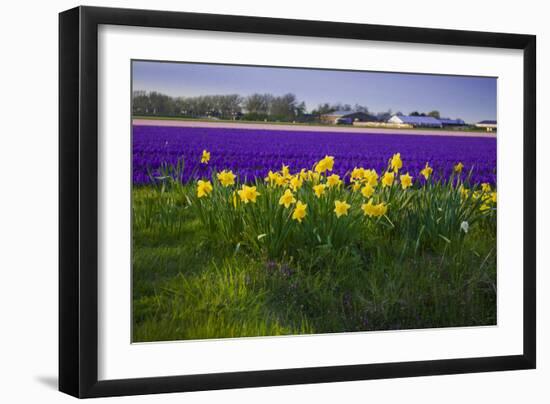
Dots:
(427, 171)
(299, 211)
(285, 171)
(303, 174)
(319, 190)
(287, 199)
(368, 208)
(271, 177)
(406, 181)
(372, 177)
(326, 164)
(485, 187)
(484, 207)
(313, 176)
(205, 157)
(280, 180)
(464, 193)
(458, 167)
(371, 210)
(234, 199)
(494, 196)
(333, 180)
(387, 179)
(396, 162)
(357, 173)
(248, 194)
(226, 178)
(203, 188)
(356, 186)
(296, 182)
(367, 190)
(341, 208)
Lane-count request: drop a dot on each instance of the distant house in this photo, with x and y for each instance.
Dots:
(416, 121)
(345, 117)
(488, 125)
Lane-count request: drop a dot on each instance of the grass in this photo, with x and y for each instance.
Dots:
(411, 268)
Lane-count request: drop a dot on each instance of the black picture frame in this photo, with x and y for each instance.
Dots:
(78, 201)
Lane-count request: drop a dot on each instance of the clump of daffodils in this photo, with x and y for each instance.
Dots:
(372, 210)
(326, 191)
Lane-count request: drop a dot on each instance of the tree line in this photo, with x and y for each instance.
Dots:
(254, 107)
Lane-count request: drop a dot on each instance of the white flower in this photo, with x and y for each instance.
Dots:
(464, 226)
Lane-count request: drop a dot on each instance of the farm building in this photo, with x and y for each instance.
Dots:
(451, 122)
(488, 125)
(345, 117)
(416, 121)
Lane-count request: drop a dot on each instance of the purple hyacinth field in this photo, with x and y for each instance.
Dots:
(251, 153)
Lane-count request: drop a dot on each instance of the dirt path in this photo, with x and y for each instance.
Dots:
(306, 128)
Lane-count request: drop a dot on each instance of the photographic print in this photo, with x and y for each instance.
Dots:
(270, 201)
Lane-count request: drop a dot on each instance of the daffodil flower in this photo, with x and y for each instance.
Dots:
(341, 208)
(248, 194)
(387, 179)
(333, 180)
(372, 177)
(226, 178)
(367, 190)
(325, 164)
(319, 190)
(396, 162)
(372, 210)
(287, 199)
(299, 211)
(427, 171)
(203, 188)
(486, 187)
(358, 173)
(406, 181)
(205, 157)
(296, 182)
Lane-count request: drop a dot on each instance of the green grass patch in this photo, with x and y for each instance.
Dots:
(215, 267)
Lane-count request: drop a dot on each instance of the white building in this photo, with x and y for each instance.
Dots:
(488, 125)
(416, 121)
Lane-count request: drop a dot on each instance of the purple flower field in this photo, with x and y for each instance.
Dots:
(252, 153)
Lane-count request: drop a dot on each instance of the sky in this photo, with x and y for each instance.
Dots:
(470, 98)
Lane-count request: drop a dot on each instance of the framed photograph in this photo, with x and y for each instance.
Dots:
(252, 202)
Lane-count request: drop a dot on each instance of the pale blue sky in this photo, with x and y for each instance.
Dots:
(470, 98)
